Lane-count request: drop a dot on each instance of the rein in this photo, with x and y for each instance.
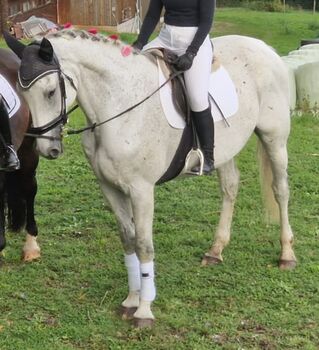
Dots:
(38, 132)
(95, 125)
(62, 118)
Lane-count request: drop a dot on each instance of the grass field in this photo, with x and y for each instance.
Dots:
(283, 31)
(70, 298)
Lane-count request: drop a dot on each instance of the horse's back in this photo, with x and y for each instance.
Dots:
(255, 57)
(250, 48)
(261, 81)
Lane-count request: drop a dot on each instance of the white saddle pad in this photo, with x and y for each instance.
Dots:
(9, 96)
(222, 89)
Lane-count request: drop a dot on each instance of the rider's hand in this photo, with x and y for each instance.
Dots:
(137, 47)
(185, 61)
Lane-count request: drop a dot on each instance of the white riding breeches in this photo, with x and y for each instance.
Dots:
(177, 39)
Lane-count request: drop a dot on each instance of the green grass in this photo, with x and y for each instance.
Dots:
(283, 31)
(69, 299)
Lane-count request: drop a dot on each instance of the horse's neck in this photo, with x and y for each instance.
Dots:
(108, 83)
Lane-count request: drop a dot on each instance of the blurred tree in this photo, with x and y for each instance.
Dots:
(4, 13)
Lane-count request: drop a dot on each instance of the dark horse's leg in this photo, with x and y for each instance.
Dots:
(22, 189)
(2, 208)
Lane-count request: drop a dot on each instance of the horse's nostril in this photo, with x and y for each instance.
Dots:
(54, 153)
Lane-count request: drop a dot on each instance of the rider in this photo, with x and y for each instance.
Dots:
(9, 160)
(186, 28)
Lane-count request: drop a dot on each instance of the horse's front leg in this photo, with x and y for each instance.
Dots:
(31, 249)
(142, 197)
(122, 209)
(228, 176)
(27, 182)
(2, 216)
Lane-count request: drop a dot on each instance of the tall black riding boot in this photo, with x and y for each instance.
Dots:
(9, 160)
(204, 126)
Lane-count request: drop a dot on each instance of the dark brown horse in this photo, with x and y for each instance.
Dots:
(18, 189)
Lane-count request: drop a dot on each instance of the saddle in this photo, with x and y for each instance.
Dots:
(9, 96)
(166, 58)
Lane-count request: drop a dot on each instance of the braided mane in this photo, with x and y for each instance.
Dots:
(83, 34)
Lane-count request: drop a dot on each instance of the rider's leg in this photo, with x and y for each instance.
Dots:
(9, 160)
(204, 126)
(197, 83)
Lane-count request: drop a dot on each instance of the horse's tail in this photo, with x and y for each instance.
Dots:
(16, 203)
(266, 179)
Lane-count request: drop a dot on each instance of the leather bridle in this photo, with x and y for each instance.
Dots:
(62, 118)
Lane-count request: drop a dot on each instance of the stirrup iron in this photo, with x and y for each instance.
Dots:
(194, 152)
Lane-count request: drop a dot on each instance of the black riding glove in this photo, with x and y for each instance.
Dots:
(185, 61)
(137, 47)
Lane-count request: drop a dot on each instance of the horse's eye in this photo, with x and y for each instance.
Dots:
(51, 93)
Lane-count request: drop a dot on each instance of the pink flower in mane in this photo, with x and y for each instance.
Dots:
(92, 31)
(113, 37)
(67, 25)
(126, 50)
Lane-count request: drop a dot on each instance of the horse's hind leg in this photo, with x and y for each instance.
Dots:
(274, 155)
(228, 176)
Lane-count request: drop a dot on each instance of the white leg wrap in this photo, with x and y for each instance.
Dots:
(148, 291)
(133, 270)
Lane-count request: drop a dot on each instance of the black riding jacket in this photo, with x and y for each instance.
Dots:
(180, 13)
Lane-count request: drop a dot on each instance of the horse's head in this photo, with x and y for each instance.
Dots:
(47, 90)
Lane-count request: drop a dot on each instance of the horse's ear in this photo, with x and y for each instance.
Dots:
(16, 46)
(46, 50)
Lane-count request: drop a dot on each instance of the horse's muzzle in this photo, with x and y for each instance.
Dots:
(48, 149)
(54, 153)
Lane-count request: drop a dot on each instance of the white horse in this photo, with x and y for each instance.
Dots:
(131, 153)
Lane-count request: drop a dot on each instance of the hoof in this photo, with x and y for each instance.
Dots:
(287, 264)
(210, 260)
(30, 256)
(127, 313)
(143, 322)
